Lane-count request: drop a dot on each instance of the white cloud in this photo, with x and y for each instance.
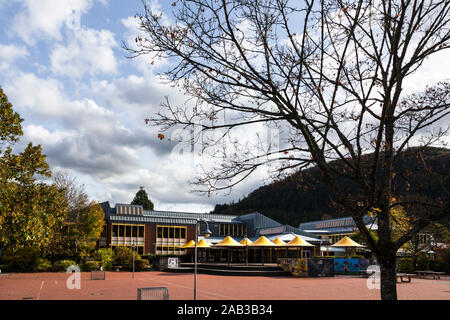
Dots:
(44, 19)
(89, 51)
(12, 52)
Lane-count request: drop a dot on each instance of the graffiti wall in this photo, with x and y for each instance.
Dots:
(350, 265)
(298, 267)
(323, 267)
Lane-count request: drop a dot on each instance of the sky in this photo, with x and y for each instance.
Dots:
(63, 67)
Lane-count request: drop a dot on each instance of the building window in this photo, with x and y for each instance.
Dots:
(233, 230)
(115, 230)
(123, 235)
(170, 239)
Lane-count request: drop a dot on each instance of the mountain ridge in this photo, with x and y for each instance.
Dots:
(305, 196)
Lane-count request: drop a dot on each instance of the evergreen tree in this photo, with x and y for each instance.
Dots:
(142, 199)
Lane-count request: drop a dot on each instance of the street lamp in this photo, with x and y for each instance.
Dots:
(246, 251)
(207, 234)
(133, 248)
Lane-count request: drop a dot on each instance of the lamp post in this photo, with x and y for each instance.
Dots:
(246, 251)
(207, 234)
(133, 246)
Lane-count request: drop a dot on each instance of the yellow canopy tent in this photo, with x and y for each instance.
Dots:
(279, 242)
(299, 243)
(246, 242)
(190, 244)
(263, 242)
(346, 242)
(228, 242)
(203, 244)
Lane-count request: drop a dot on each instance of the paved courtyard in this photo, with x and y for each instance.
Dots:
(120, 285)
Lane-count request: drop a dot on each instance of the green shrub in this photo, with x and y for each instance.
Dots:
(140, 265)
(4, 268)
(423, 262)
(21, 260)
(62, 265)
(405, 265)
(150, 257)
(124, 257)
(43, 265)
(442, 261)
(106, 258)
(91, 266)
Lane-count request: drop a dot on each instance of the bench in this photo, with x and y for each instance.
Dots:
(434, 274)
(117, 268)
(401, 276)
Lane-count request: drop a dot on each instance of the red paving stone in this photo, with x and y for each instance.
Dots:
(121, 286)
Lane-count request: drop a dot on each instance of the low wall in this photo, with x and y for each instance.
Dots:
(323, 267)
(298, 267)
(350, 265)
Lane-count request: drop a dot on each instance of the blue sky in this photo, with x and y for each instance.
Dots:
(85, 102)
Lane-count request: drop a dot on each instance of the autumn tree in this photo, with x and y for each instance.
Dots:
(331, 76)
(28, 209)
(141, 198)
(77, 235)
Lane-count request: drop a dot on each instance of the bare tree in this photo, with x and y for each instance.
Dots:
(75, 194)
(330, 74)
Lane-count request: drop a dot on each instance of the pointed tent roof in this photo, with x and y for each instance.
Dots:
(246, 241)
(228, 242)
(346, 242)
(263, 242)
(190, 244)
(279, 242)
(203, 244)
(298, 242)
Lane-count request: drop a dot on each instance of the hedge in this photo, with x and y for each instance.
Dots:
(62, 265)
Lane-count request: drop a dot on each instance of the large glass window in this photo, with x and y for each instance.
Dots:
(141, 232)
(169, 244)
(115, 230)
(121, 231)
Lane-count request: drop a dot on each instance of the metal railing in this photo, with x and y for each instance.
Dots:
(153, 293)
(98, 275)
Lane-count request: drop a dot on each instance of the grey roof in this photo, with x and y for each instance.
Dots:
(153, 216)
(346, 224)
(286, 237)
(265, 225)
(144, 219)
(191, 215)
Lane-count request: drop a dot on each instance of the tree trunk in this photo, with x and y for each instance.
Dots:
(388, 283)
